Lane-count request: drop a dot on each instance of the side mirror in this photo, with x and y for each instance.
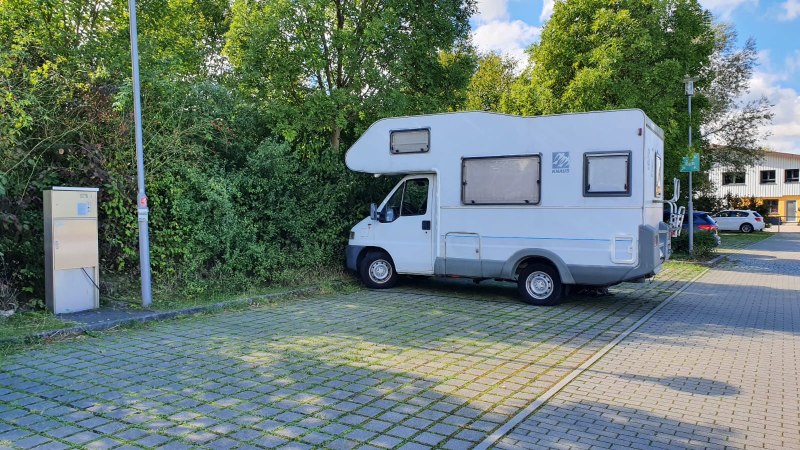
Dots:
(373, 211)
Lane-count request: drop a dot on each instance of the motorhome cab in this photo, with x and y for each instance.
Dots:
(546, 202)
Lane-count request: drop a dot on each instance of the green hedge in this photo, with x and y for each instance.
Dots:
(705, 244)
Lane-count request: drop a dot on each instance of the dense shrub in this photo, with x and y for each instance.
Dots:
(705, 244)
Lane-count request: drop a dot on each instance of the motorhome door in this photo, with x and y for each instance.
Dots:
(405, 227)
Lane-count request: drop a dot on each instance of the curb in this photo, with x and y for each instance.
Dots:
(155, 316)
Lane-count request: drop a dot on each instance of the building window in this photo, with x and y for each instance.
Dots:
(792, 175)
(767, 176)
(733, 178)
(503, 180)
(607, 174)
(772, 206)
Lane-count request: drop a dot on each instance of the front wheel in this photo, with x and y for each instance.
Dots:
(377, 271)
(746, 228)
(539, 284)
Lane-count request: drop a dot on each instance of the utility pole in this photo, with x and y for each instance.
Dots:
(141, 198)
(689, 85)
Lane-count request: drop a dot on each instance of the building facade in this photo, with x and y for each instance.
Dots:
(775, 182)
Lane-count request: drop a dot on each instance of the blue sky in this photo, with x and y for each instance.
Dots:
(510, 26)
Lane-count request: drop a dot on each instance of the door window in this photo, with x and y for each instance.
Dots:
(410, 199)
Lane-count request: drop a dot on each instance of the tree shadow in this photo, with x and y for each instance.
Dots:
(584, 423)
(691, 385)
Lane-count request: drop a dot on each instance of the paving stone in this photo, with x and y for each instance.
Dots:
(692, 375)
(31, 441)
(82, 438)
(349, 368)
(152, 440)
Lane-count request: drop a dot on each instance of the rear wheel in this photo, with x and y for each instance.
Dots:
(539, 284)
(377, 271)
(746, 228)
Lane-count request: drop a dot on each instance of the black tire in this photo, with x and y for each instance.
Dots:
(377, 271)
(746, 228)
(539, 284)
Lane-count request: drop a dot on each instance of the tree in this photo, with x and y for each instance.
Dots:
(491, 82)
(333, 65)
(610, 54)
(733, 128)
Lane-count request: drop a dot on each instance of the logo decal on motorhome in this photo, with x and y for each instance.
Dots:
(561, 162)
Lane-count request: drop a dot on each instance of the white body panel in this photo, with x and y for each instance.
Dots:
(584, 232)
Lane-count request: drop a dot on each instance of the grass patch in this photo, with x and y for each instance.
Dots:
(179, 294)
(24, 324)
(125, 293)
(680, 271)
(730, 241)
(733, 240)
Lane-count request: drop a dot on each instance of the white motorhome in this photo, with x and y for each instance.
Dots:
(546, 202)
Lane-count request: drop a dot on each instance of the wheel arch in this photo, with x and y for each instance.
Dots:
(525, 257)
(366, 250)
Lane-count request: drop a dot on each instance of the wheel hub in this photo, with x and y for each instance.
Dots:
(380, 271)
(539, 285)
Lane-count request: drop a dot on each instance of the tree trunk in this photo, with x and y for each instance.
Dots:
(336, 136)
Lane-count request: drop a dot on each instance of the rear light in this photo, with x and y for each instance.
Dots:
(758, 219)
(706, 227)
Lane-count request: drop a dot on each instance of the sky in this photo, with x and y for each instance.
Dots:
(510, 26)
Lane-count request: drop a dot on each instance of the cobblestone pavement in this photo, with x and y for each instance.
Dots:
(717, 367)
(429, 364)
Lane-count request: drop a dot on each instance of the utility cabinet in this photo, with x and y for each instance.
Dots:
(72, 268)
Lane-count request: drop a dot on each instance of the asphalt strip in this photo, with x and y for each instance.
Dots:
(542, 399)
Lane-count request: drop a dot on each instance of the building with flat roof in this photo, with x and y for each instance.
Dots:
(775, 182)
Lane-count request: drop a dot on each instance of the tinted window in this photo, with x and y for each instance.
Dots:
(757, 214)
(703, 218)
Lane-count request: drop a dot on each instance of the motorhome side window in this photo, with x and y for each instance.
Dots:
(607, 174)
(410, 199)
(505, 180)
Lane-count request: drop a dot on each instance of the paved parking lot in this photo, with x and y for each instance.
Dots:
(429, 364)
(717, 367)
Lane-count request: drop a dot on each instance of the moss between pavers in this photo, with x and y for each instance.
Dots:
(404, 351)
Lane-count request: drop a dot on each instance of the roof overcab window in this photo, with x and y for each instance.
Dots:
(410, 141)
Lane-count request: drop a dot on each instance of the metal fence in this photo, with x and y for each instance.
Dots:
(783, 222)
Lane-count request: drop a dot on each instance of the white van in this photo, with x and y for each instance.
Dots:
(546, 202)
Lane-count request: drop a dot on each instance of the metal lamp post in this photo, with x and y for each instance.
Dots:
(141, 198)
(689, 87)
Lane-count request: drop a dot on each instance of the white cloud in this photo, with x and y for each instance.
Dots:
(489, 10)
(785, 127)
(506, 37)
(791, 10)
(547, 10)
(724, 8)
(494, 31)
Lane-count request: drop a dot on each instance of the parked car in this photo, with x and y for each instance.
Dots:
(704, 222)
(742, 220)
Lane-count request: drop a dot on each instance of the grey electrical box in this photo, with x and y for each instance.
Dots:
(71, 255)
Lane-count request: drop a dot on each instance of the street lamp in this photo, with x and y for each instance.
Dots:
(689, 89)
(141, 198)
